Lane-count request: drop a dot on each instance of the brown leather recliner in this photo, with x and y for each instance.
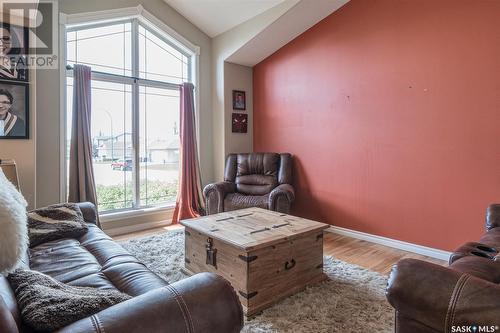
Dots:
(253, 180)
(429, 298)
(202, 303)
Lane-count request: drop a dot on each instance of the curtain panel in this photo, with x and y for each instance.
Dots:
(81, 173)
(189, 201)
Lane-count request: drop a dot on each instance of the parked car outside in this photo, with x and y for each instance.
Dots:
(121, 164)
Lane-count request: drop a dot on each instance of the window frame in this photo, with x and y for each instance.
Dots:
(139, 17)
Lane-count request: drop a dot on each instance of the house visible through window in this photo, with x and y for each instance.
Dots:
(136, 71)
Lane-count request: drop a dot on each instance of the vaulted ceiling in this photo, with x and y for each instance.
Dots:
(258, 27)
(299, 18)
(214, 17)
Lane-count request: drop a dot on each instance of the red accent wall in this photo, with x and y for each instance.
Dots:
(392, 110)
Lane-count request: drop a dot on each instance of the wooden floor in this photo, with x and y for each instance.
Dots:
(371, 256)
(375, 257)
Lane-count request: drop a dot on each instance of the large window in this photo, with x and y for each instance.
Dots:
(136, 72)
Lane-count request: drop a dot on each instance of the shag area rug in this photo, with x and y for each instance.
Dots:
(351, 299)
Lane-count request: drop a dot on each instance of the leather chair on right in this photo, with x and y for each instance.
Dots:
(429, 298)
(253, 180)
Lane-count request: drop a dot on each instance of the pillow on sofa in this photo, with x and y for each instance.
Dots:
(55, 222)
(13, 230)
(47, 304)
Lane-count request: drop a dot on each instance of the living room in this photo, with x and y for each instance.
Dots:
(250, 166)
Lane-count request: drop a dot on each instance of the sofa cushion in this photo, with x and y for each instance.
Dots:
(7, 321)
(94, 260)
(479, 267)
(266, 164)
(8, 303)
(47, 304)
(234, 201)
(255, 184)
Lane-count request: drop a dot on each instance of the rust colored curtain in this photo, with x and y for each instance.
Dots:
(81, 174)
(189, 201)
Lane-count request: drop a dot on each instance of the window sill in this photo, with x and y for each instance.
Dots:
(115, 216)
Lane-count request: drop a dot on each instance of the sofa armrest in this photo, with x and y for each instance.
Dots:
(214, 196)
(202, 303)
(440, 297)
(493, 217)
(281, 198)
(89, 212)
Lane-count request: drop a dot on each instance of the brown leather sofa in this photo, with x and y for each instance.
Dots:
(431, 298)
(201, 303)
(252, 180)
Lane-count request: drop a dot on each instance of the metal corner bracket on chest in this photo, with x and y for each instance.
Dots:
(211, 253)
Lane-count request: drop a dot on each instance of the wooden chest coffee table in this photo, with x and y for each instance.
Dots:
(264, 254)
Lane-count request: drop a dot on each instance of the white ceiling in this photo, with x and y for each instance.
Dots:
(214, 17)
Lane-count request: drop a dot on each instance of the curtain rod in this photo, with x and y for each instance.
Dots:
(69, 67)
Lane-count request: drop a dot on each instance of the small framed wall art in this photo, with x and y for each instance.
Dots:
(239, 100)
(240, 122)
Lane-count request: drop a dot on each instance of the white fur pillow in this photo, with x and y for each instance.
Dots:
(13, 225)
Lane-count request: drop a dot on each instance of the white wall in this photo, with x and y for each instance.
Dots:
(23, 151)
(223, 46)
(238, 77)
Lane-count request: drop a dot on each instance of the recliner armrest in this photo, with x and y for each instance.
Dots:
(214, 196)
(440, 297)
(493, 216)
(281, 197)
(202, 303)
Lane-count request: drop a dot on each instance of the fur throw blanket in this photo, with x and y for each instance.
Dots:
(13, 230)
(55, 222)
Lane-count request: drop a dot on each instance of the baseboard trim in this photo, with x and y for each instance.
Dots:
(397, 244)
(136, 227)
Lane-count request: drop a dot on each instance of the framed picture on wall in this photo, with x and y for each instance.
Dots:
(240, 122)
(14, 46)
(239, 100)
(14, 110)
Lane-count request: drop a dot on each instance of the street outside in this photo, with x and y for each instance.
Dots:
(105, 175)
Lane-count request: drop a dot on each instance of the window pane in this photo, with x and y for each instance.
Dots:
(106, 49)
(159, 145)
(158, 60)
(111, 141)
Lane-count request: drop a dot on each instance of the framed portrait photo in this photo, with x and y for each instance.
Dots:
(14, 110)
(14, 46)
(239, 100)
